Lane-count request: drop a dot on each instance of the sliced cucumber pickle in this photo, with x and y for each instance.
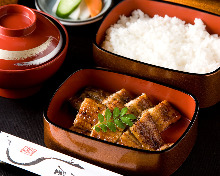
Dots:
(66, 7)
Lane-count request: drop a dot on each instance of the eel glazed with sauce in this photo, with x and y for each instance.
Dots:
(145, 132)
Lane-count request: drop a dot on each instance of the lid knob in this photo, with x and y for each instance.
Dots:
(16, 20)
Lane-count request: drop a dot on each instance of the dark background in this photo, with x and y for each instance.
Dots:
(24, 117)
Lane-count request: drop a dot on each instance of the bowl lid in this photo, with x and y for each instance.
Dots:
(27, 39)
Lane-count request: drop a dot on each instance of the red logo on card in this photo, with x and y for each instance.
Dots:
(28, 150)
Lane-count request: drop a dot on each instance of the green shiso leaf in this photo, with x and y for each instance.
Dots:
(100, 117)
(97, 128)
(116, 119)
(124, 111)
(108, 114)
(116, 112)
(111, 126)
(119, 123)
(127, 121)
(130, 116)
(103, 127)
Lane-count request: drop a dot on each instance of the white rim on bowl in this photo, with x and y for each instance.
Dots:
(70, 22)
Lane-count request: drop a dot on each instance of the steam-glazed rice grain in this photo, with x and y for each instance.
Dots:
(164, 41)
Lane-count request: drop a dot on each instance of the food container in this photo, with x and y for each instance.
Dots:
(29, 52)
(205, 87)
(121, 159)
(25, 39)
(209, 6)
(49, 6)
(5, 2)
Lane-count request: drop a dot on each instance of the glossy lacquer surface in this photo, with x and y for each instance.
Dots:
(21, 72)
(25, 41)
(23, 117)
(205, 87)
(58, 119)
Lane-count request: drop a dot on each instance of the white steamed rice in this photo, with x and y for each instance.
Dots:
(164, 41)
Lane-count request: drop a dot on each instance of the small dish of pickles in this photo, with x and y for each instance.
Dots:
(75, 12)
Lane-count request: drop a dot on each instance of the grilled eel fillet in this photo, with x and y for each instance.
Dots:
(128, 139)
(147, 130)
(89, 109)
(87, 116)
(89, 92)
(117, 99)
(135, 106)
(144, 134)
(163, 115)
(139, 104)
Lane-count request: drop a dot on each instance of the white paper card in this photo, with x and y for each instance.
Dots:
(43, 161)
